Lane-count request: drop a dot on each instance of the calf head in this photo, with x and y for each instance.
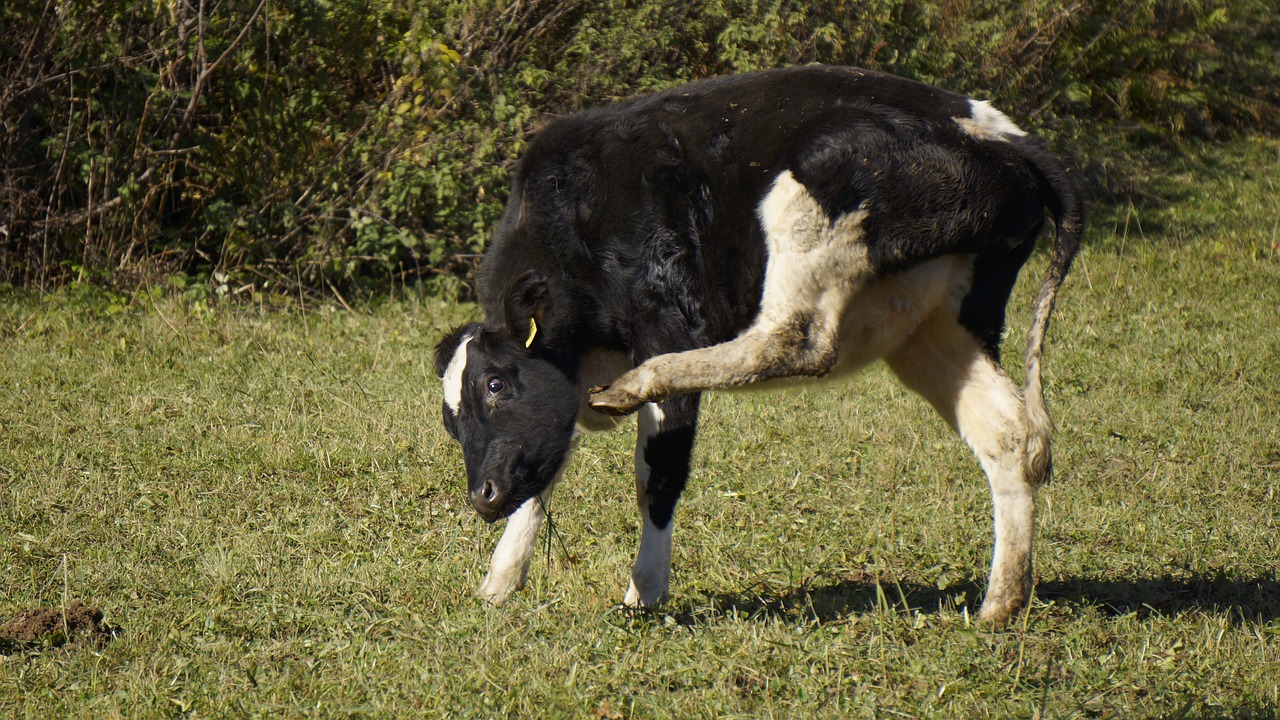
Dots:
(512, 410)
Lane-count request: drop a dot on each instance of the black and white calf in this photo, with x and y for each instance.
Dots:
(795, 223)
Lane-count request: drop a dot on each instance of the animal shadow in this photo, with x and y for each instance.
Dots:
(831, 601)
(1254, 599)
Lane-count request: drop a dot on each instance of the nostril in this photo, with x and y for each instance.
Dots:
(488, 497)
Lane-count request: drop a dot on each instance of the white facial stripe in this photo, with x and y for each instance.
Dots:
(987, 123)
(453, 376)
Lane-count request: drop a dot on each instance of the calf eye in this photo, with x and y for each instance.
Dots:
(495, 385)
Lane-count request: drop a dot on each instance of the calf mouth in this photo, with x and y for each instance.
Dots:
(494, 516)
(494, 503)
(507, 509)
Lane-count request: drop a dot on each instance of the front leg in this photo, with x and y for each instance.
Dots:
(509, 565)
(664, 445)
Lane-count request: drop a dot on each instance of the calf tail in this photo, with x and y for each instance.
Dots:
(1069, 217)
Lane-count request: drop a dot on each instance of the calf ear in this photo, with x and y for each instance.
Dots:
(525, 305)
(449, 345)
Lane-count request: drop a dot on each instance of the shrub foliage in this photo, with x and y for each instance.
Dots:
(337, 141)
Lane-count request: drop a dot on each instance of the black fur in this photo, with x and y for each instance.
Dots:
(667, 454)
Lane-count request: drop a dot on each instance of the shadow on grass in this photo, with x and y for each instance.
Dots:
(830, 602)
(1253, 599)
(1241, 713)
(1243, 599)
(1129, 182)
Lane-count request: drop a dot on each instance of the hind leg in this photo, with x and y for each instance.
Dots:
(803, 346)
(946, 364)
(816, 264)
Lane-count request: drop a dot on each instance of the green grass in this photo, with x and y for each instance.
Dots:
(266, 506)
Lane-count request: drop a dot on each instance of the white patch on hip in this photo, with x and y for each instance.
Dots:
(987, 123)
(815, 262)
(453, 376)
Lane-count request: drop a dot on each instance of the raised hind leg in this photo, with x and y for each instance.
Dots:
(947, 365)
(816, 264)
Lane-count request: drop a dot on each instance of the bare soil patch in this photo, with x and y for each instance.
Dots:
(52, 627)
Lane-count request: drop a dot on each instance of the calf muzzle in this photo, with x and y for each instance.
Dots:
(488, 500)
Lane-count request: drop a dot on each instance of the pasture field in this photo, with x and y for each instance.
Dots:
(266, 509)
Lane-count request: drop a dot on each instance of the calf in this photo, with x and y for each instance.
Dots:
(795, 223)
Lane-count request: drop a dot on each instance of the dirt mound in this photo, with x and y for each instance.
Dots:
(49, 627)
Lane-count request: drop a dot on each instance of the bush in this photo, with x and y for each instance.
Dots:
(356, 141)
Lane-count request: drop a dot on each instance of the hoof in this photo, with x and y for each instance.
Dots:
(995, 615)
(497, 590)
(613, 401)
(638, 600)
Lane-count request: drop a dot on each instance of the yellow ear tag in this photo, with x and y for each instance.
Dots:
(533, 331)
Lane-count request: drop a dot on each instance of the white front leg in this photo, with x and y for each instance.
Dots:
(509, 565)
(651, 575)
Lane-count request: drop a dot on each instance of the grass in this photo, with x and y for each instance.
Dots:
(264, 503)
